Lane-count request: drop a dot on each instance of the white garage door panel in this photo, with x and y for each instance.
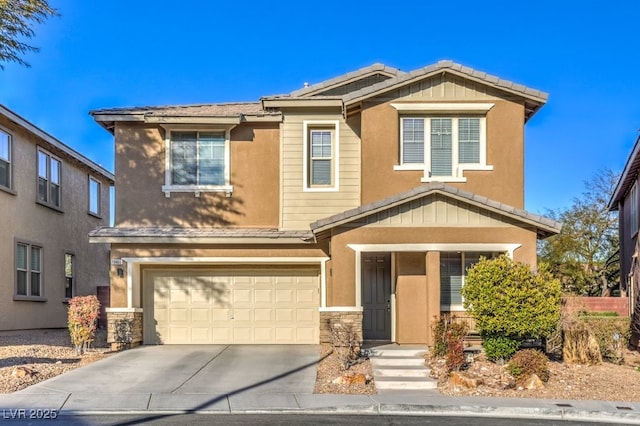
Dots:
(196, 307)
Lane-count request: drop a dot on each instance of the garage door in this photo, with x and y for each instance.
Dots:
(232, 306)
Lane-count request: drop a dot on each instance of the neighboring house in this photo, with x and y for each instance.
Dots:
(624, 200)
(360, 199)
(51, 196)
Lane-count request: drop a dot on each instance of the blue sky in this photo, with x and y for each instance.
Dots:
(132, 53)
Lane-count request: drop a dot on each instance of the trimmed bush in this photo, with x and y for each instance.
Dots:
(82, 319)
(527, 362)
(499, 348)
(612, 334)
(507, 299)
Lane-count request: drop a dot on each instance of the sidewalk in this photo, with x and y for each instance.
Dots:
(414, 403)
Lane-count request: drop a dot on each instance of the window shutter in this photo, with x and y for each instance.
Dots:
(469, 140)
(441, 147)
(413, 140)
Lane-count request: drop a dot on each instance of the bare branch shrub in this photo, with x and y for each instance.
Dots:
(346, 343)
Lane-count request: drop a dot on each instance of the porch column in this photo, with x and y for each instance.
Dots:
(433, 290)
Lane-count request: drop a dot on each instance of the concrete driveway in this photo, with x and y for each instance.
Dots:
(193, 369)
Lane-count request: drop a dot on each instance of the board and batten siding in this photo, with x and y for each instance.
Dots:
(300, 207)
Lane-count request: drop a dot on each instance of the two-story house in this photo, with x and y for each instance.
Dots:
(51, 196)
(625, 201)
(363, 198)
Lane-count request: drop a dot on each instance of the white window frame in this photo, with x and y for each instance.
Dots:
(97, 197)
(28, 271)
(49, 160)
(463, 258)
(8, 160)
(169, 187)
(69, 275)
(453, 111)
(307, 127)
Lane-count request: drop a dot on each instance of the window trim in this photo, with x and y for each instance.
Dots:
(28, 297)
(50, 157)
(98, 211)
(454, 111)
(307, 127)
(169, 187)
(9, 188)
(634, 220)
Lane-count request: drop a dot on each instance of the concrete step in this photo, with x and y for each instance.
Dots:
(394, 372)
(407, 362)
(377, 353)
(387, 385)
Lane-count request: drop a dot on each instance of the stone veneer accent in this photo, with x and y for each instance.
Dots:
(130, 333)
(327, 318)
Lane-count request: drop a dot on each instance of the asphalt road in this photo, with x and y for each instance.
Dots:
(287, 420)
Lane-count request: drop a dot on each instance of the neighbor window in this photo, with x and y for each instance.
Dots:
(68, 275)
(28, 270)
(321, 152)
(94, 196)
(453, 270)
(633, 209)
(444, 146)
(198, 162)
(48, 179)
(5, 159)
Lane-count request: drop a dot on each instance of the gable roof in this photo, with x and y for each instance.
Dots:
(545, 227)
(350, 77)
(235, 113)
(72, 153)
(628, 177)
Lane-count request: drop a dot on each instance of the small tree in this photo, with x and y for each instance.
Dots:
(507, 299)
(82, 321)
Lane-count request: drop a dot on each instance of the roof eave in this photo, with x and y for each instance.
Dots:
(195, 240)
(628, 175)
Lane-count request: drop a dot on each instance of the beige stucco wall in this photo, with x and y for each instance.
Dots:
(140, 174)
(342, 291)
(56, 231)
(505, 144)
(149, 251)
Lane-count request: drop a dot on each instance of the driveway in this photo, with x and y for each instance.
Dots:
(193, 369)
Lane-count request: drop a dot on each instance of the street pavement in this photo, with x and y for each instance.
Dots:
(258, 379)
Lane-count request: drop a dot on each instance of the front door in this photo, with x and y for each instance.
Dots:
(376, 296)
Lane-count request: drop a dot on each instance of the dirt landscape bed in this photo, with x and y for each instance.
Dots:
(48, 353)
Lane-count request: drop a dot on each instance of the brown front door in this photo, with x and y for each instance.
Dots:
(376, 296)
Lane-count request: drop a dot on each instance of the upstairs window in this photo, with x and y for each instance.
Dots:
(28, 270)
(443, 139)
(48, 179)
(94, 196)
(5, 159)
(198, 161)
(320, 155)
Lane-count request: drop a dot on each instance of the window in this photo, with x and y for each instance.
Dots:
(48, 179)
(5, 159)
(453, 270)
(320, 155)
(94, 196)
(633, 209)
(198, 162)
(68, 275)
(28, 270)
(443, 146)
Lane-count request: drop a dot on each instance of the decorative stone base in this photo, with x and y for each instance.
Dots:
(124, 330)
(327, 318)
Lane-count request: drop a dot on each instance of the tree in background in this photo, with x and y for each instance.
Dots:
(17, 18)
(585, 254)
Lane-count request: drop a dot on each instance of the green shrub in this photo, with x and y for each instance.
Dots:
(599, 314)
(82, 320)
(527, 362)
(507, 299)
(611, 333)
(498, 348)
